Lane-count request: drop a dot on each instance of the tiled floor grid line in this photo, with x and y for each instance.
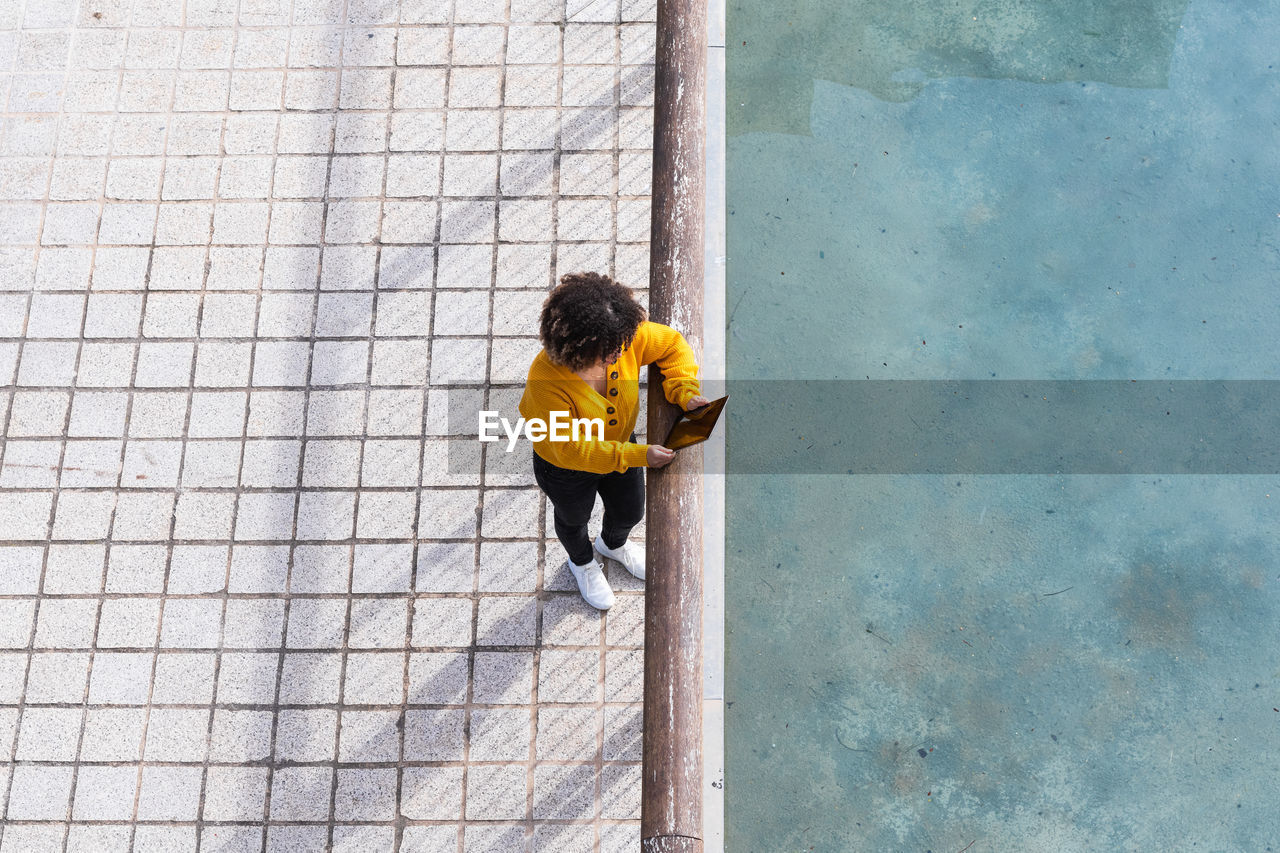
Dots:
(258, 591)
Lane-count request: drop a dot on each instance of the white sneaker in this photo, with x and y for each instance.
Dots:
(629, 554)
(592, 584)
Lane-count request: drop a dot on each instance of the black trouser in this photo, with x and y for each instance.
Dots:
(573, 494)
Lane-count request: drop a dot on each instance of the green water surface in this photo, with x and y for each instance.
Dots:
(1076, 190)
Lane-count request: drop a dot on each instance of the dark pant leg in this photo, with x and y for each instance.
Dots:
(623, 495)
(573, 494)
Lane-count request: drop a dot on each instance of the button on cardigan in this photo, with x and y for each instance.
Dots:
(554, 388)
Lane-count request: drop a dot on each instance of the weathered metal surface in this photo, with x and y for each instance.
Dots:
(671, 796)
(671, 844)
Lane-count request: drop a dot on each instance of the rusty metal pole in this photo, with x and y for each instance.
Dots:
(671, 794)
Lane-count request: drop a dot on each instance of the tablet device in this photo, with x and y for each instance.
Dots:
(695, 426)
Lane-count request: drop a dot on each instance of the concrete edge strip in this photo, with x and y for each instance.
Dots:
(714, 367)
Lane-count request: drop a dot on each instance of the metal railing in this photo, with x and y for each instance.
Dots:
(671, 794)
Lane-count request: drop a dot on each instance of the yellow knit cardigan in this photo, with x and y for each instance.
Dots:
(554, 388)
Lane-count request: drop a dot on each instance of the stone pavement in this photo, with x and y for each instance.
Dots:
(247, 600)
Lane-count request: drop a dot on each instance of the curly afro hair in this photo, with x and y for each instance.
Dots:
(588, 318)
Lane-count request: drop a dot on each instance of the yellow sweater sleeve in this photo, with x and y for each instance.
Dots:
(602, 457)
(663, 345)
(597, 456)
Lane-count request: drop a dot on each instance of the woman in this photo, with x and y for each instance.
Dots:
(595, 339)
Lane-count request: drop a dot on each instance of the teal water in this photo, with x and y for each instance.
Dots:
(1000, 191)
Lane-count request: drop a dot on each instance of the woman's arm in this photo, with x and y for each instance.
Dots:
(663, 345)
(602, 457)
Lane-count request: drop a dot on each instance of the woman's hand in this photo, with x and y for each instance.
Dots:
(657, 455)
(695, 402)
